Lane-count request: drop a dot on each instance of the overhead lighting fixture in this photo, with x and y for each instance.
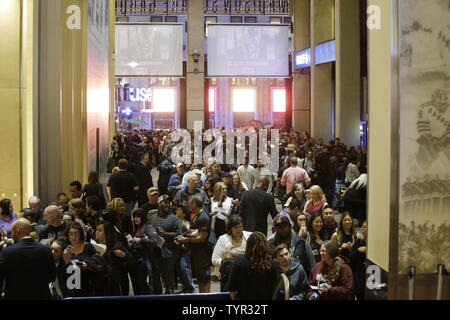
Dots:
(133, 64)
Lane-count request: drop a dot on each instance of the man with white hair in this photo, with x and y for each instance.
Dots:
(183, 195)
(35, 205)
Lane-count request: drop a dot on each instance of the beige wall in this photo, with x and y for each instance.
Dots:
(18, 124)
(380, 82)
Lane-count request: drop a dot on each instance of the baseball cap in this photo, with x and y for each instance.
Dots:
(152, 191)
(280, 219)
(197, 171)
(162, 198)
(226, 174)
(179, 164)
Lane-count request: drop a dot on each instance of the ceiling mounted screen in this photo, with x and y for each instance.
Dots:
(149, 50)
(248, 50)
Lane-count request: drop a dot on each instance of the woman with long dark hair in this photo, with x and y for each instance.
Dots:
(316, 234)
(345, 234)
(116, 255)
(254, 275)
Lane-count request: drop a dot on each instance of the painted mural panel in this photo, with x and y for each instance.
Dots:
(424, 219)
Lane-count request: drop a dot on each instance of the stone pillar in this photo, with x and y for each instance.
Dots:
(301, 91)
(263, 100)
(195, 71)
(322, 30)
(18, 124)
(223, 112)
(348, 72)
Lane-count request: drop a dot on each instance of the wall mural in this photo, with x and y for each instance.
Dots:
(424, 229)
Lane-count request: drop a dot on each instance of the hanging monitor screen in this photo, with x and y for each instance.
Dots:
(248, 50)
(149, 50)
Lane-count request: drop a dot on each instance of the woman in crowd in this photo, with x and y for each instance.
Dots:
(7, 216)
(297, 192)
(77, 253)
(316, 201)
(254, 275)
(332, 276)
(116, 255)
(316, 235)
(208, 186)
(144, 240)
(78, 209)
(301, 225)
(228, 246)
(123, 222)
(68, 216)
(238, 183)
(351, 169)
(345, 235)
(182, 266)
(58, 246)
(94, 188)
(358, 262)
(221, 208)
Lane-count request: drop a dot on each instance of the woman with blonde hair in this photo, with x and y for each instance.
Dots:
(254, 275)
(221, 208)
(124, 223)
(316, 200)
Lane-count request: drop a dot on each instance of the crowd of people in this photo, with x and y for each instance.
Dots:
(204, 222)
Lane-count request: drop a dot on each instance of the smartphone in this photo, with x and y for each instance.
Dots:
(79, 263)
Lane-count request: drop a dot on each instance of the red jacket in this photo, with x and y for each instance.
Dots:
(341, 288)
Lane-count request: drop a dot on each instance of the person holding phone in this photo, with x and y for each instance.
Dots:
(75, 254)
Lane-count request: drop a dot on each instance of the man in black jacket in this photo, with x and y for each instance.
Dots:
(256, 205)
(26, 267)
(144, 178)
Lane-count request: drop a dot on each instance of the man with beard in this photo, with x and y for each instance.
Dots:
(152, 204)
(298, 247)
(167, 226)
(330, 224)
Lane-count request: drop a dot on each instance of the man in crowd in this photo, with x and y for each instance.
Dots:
(167, 226)
(123, 184)
(197, 243)
(293, 175)
(183, 195)
(63, 201)
(256, 205)
(232, 191)
(55, 226)
(75, 189)
(152, 203)
(293, 270)
(27, 267)
(34, 204)
(175, 182)
(93, 210)
(262, 171)
(144, 177)
(246, 172)
(291, 211)
(298, 247)
(330, 224)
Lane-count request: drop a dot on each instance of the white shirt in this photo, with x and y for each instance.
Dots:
(246, 175)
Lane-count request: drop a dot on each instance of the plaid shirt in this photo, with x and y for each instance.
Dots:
(169, 223)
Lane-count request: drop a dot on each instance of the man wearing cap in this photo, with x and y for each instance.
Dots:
(167, 226)
(298, 246)
(152, 203)
(175, 182)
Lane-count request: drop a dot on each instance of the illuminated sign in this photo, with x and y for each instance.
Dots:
(140, 94)
(302, 59)
(127, 111)
(245, 7)
(150, 7)
(325, 52)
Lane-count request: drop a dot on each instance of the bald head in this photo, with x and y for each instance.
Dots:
(53, 216)
(20, 228)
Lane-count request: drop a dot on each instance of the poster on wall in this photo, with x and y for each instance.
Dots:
(98, 85)
(424, 217)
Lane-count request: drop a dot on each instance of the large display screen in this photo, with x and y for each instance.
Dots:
(248, 50)
(149, 50)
